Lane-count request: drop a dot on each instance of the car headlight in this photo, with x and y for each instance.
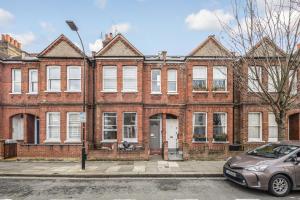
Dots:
(228, 159)
(257, 168)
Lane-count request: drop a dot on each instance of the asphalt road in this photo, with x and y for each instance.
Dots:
(125, 188)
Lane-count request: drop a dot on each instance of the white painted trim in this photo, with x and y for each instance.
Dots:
(193, 78)
(123, 77)
(156, 92)
(47, 128)
(116, 78)
(136, 124)
(13, 81)
(107, 140)
(226, 78)
(175, 91)
(68, 78)
(48, 69)
(68, 132)
(205, 127)
(30, 81)
(260, 130)
(272, 139)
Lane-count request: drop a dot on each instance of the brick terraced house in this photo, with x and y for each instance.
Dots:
(180, 107)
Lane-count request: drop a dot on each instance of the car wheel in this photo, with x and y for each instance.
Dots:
(280, 185)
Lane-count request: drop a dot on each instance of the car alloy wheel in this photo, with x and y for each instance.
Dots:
(280, 185)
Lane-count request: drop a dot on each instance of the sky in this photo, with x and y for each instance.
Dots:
(177, 26)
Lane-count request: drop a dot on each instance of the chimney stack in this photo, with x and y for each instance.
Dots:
(298, 46)
(10, 46)
(107, 39)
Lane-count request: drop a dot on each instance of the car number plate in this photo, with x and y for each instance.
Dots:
(231, 173)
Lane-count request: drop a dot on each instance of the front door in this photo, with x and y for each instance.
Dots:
(155, 136)
(17, 128)
(171, 132)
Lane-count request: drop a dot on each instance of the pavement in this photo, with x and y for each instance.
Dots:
(106, 169)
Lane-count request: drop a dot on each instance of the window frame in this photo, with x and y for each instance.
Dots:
(131, 140)
(156, 92)
(193, 77)
(226, 77)
(226, 126)
(276, 126)
(48, 139)
(48, 83)
(13, 82)
(68, 78)
(271, 84)
(68, 130)
(168, 80)
(206, 139)
(30, 91)
(130, 78)
(103, 129)
(115, 78)
(252, 81)
(294, 89)
(260, 128)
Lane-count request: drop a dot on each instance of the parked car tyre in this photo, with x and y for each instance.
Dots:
(280, 185)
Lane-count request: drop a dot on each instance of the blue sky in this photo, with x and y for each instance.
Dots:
(177, 26)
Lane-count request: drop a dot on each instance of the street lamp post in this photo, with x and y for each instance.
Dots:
(73, 27)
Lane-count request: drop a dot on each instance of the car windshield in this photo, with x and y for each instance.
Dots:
(273, 150)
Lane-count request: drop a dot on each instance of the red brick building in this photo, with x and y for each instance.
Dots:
(180, 107)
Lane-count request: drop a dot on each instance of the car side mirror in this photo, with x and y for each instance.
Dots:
(295, 159)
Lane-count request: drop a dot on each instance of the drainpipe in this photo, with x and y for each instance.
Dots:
(94, 99)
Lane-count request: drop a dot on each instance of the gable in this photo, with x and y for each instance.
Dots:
(210, 48)
(61, 47)
(266, 48)
(119, 46)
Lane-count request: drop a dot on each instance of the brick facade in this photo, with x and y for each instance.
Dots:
(163, 106)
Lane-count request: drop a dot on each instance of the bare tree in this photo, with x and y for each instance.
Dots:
(264, 37)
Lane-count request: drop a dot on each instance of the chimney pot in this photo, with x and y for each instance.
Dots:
(298, 46)
(110, 35)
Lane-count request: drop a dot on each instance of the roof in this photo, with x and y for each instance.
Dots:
(257, 52)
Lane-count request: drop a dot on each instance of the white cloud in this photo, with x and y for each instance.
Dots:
(6, 17)
(25, 38)
(101, 3)
(96, 46)
(206, 20)
(120, 28)
(47, 26)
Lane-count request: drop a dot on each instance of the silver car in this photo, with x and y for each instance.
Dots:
(273, 167)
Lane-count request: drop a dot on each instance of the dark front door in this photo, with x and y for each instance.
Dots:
(155, 137)
(294, 127)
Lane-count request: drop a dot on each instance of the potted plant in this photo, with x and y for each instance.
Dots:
(220, 137)
(199, 138)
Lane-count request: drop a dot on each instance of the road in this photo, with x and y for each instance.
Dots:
(129, 188)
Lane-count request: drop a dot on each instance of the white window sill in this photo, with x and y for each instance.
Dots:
(72, 141)
(108, 141)
(130, 140)
(156, 93)
(220, 142)
(220, 91)
(68, 91)
(109, 91)
(172, 93)
(255, 141)
(125, 91)
(199, 142)
(15, 93)
(203, 91)
(32, 93)
(52, 141)
(52, 91)
(272, 140)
